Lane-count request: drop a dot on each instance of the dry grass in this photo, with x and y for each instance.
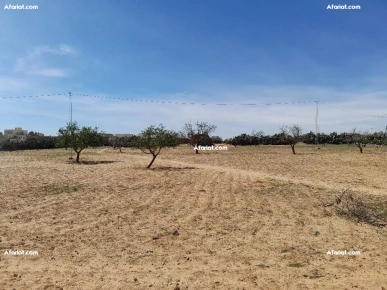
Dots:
(247, 218)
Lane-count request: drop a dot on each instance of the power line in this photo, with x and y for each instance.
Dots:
(201, 104)
(37, 96)
(355, 113)
(167, 102)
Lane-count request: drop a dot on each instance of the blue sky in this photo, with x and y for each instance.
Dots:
(214, 51)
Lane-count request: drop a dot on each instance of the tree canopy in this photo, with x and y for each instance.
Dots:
(153, 139)
(77, 138)
(199, 134)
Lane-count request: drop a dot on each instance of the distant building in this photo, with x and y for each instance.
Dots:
(15, 135)
(123, 135)
(11, 133)
(18, 138)
(112, 136)
(107, 135)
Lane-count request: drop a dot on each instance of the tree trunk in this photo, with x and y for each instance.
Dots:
(78, 153)
(120, 149)
(294, 152)
(150, 164)
(360, 148)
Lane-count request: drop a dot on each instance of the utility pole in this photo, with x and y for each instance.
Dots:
(317, 126)
(70, 107)
(385, 137)
(71, 119)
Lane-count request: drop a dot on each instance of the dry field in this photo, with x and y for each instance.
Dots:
(246, 218)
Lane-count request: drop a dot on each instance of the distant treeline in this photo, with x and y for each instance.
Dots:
(377, 138)
(45, 142)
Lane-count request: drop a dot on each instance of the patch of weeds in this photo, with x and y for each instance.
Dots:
(316, 274)
(312, 276)
(295, 265)
(286, 250)
(53, 189)
(379, 208)
(354, 207)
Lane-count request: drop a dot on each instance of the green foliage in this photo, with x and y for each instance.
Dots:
(295, 265)
(121, 141)
(153, 139)
(361, 138)
(30, 144)
(76, 138)
(217, 139)
(199, 134)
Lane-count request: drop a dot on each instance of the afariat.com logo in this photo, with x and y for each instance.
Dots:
(343, 7)
(21, 7)
(343, 253)
(212, 147)
(20, 253)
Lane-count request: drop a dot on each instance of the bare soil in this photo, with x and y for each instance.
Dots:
(245, 218)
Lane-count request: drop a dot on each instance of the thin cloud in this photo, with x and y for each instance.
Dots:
(52, 72)
(236, 119)
(115, 115)
(67, 49)
(8, 84)
(35, 63)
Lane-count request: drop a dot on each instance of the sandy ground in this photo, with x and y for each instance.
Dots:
(246, 218)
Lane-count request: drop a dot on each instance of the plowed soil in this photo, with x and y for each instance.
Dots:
(245, 218)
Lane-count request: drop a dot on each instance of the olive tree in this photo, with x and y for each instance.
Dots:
(198, 133)
(358, 138)
(291, 135)
(78, 139)
(153, 139)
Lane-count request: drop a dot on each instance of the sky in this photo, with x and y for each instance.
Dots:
(202, 52)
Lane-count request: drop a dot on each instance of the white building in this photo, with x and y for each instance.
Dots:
(123, 135)
(18, 134)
